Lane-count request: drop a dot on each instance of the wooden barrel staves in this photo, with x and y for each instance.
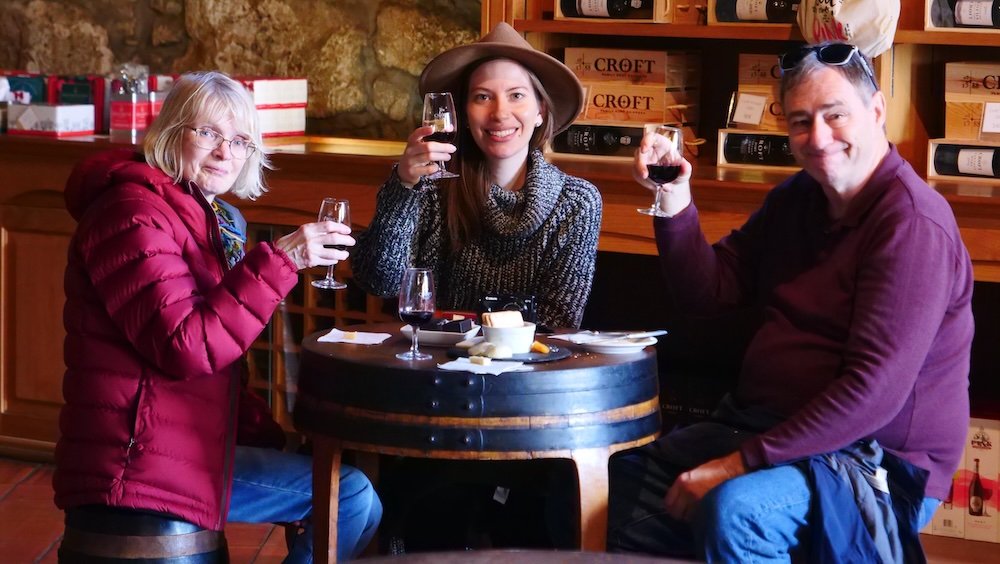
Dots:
(566, 405)
(105, 535)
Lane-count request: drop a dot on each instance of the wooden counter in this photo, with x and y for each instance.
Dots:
(36, 230)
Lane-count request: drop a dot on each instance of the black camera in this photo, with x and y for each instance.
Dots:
(509, 302)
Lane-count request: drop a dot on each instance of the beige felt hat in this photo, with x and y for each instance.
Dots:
(444, 72)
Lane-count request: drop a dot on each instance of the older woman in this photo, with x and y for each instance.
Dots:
(512, 223)
(162, 302)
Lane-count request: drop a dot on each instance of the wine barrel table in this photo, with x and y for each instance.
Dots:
(361, 398)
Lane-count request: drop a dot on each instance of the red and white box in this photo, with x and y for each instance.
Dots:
(50, 120)
(982, 460)
(281, 104)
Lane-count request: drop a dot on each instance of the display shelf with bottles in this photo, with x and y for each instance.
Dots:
(964, 16)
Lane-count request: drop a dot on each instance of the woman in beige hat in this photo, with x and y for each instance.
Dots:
(512, 223)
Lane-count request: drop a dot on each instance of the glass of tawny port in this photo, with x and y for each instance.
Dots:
(659, 172)
(416, 306)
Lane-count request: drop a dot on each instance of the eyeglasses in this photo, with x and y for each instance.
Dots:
(835, 54)
(209, 139)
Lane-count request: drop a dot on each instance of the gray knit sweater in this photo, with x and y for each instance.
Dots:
(541, 241)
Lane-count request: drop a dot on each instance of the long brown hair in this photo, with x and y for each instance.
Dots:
(465, 197)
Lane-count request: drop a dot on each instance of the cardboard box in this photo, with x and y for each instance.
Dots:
(949, 519)
(939, 17)
(767, 150)
(282, 122)
(83, 89)
(982, 453)
(49, 120)
(662, 12)
(638, 104)
(270, 92)
(675, 69)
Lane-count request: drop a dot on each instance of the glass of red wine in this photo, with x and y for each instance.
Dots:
(416, 306)
(663, 171)
(439, 113)
(333, 209)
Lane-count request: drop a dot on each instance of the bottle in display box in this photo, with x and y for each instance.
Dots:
(613, 9)
(770, 11)
(755, 148)
(602, 140)
(982, 459)
(967, 160)
(976, 13)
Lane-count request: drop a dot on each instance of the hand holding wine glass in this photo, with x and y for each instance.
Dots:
(660, 158)
(416, 306)
(439, 113)
(333, 209)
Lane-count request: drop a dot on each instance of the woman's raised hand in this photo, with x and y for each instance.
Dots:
(308, 245)
(420, 157)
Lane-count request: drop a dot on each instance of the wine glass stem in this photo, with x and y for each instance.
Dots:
(656, 199)
(329, 272)
(413, 342)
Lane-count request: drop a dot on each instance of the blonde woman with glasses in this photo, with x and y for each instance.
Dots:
(163, 300)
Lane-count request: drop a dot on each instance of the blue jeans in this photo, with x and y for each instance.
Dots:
(759, 517)
(270, 486)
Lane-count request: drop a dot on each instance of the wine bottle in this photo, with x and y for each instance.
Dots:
(598, 140)
(976, 13)
(771, 11)
(758, 149)
(976, 492)
(964, 160)
(619, 9)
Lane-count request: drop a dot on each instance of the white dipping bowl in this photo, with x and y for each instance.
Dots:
(519, 339)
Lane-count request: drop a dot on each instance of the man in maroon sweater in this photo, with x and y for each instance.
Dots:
(864, 288)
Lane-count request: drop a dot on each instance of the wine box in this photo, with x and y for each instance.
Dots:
(939, 17)
(51, 120)
(968, 87)
(635, 104)
(282, 122)
(972, 165)
(603, 141)
(772, 118)
(673, 69)
(714, 20)
(766, 146)
(664, 11)
(758, 70)
(982, 453)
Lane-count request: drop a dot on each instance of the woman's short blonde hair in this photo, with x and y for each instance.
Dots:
(206, 96)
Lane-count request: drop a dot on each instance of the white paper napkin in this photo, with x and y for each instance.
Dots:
(495, 367)
(354, 337)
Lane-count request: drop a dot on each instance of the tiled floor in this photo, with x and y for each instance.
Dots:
(31, 526)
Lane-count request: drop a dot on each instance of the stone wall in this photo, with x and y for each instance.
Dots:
(362, 57)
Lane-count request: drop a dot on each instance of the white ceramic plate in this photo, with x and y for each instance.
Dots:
(439, 338)
(619, 347)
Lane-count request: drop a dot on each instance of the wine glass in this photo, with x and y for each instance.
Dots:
(439, 113)
(659, 173)
(333, 209)
(416, 306)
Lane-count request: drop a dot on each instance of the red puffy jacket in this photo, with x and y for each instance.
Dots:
(156, 327)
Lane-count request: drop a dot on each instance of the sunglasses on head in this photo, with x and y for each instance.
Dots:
(835, 54)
